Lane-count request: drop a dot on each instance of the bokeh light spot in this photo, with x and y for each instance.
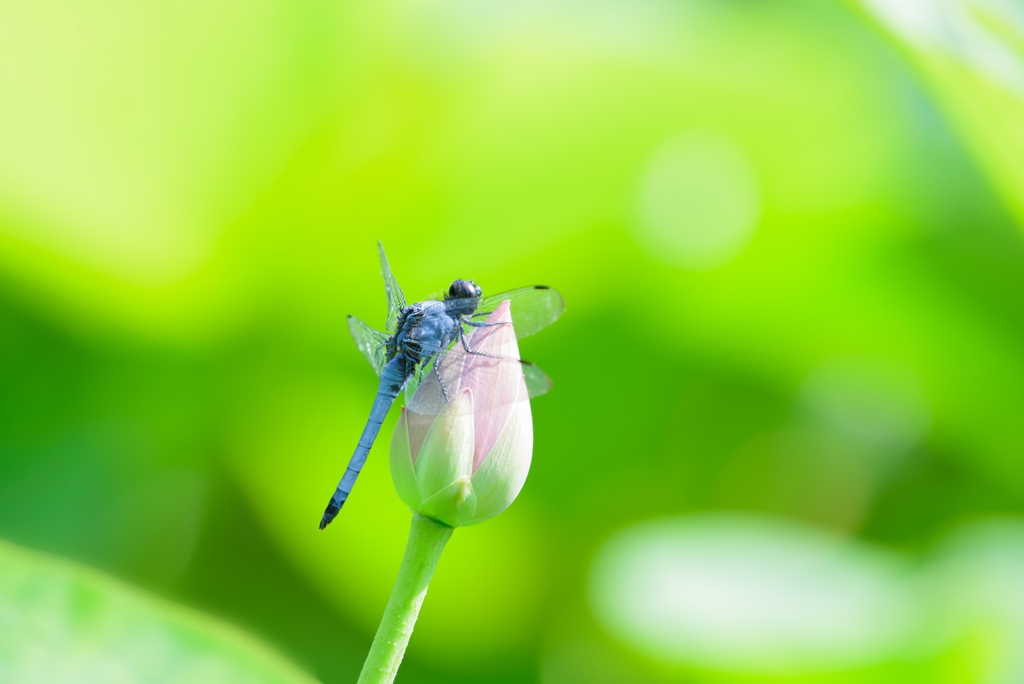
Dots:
(749, 594)
(699, 202)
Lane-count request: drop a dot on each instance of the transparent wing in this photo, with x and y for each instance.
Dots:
(370, 343)
(496, 381)
(396, 300)
(533, 308)
(422, 371)
(537, 381)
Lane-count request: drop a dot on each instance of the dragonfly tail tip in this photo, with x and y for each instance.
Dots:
(329, 515)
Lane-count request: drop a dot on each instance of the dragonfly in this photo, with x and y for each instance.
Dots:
(424, 344)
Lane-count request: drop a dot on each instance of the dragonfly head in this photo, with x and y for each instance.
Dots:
(463, 289)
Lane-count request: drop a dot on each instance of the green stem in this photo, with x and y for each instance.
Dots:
(426, 541)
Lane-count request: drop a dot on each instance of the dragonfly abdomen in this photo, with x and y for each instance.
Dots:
(392, 379)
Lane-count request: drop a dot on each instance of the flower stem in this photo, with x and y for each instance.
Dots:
(426, 541)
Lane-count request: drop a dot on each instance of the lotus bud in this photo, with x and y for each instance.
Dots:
(468, 463)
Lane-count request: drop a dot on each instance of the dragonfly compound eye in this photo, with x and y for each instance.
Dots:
(461, 289)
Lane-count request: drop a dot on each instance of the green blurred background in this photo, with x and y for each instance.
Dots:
(784, 442)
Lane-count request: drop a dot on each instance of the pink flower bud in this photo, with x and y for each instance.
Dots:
(468, 463)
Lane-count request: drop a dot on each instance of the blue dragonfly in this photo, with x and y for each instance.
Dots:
(427, 342)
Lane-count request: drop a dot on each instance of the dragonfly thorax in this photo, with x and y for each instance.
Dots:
(424, 330)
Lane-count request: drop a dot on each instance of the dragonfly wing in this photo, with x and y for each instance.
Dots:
(533, 308)
(371, 343)
(430, 388)
(396, 300)
(424, 369)
(494, 380)
(537, 381)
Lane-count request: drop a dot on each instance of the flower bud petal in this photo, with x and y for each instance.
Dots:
(447, 451)
(495, 383)
(499, 479)
(454, 505)
(402, 470)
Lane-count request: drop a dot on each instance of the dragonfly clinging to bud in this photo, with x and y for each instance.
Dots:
(415, 347)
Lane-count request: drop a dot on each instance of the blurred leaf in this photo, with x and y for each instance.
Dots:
(748, 594)
(742, 598)
(971, 53)
(60, 622)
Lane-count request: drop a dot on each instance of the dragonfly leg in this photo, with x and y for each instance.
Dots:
(440, 381)
(479, 324)
(462, 338)
(436, 370)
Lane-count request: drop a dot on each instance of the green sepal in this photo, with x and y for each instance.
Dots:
(454, 505)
